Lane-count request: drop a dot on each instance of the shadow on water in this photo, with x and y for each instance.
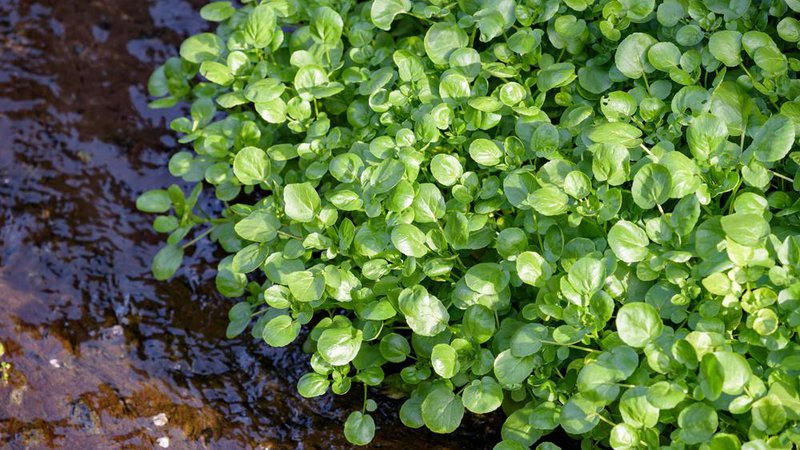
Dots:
(98, 347)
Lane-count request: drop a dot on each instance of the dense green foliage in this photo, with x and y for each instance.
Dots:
(583, 213)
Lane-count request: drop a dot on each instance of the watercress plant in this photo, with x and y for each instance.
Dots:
(583, 213)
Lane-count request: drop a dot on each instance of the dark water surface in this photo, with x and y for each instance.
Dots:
(97, 346)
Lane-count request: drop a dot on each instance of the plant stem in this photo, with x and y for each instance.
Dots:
(647, 150)
(576, 347)
(364, 406)
(601, 417)
(200, 236)
(782, 177)
(289, 235)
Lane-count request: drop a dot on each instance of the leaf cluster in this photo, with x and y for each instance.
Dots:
(583, 213)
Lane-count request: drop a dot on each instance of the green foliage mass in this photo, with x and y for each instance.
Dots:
(582, 213)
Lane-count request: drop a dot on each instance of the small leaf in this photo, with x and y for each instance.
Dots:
(442, 410)
(359, 428)
(383, 12)
(251, 165)
(301, 201)
(154, 201)
(628, 242)
(638, 323)
(483, 396)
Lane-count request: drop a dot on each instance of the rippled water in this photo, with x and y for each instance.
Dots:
(98, 347)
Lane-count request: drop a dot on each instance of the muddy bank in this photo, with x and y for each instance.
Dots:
(98, 347)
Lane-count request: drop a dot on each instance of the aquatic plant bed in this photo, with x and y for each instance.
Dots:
(583, 214)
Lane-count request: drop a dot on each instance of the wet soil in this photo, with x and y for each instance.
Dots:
(97, 346)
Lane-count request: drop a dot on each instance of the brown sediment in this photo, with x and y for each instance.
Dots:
(98, 347)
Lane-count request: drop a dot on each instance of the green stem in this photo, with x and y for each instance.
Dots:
(646, 83)
(289, 235)
(200, 236)
(538, 235)
(364, 406)
(422, 18)
(576, 347)
(748, 73)
(260, 311)
(601, 417)
(647, 150)
(729, 203)
(744, 132)
(782, 177)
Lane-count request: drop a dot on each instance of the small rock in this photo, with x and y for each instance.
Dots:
(16, 395)
(160, 420)
(81, 414)
(163, 442)
(54, 362)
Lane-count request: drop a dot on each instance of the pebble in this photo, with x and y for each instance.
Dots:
(160, 420)
(163, 442)
(54, 362)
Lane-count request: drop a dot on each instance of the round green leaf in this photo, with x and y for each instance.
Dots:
(528, 339)
(479, 324)
(312, 385)
(483, 396)
(339, 345)
(425, 314)
(441, 39)
(359, 428)
(746, 228)
(651, 186)
(394, 348)
(664, 56)
(409, 240)
(631, 55)
(549, 201)
(698, 422)
(665, 395)
(486, 278)
(512, 370)
(167, 261)
(281, 331)
(485, 152)
(624, 437)
(628, 242)
(301, 201)
(636, 410)
(217, 11)
(446, 169)
(202, 47)
(532, 268)
(444, 360)
(580, 415)
(258, 226)
(442, 410)
(383, 12)
(769, 414)
(638, 323)
(154, 201)
(260, 26)
(251, 165)
(726, 46)
(774, 139)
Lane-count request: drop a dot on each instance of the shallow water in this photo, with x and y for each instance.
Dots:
(98, 347)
